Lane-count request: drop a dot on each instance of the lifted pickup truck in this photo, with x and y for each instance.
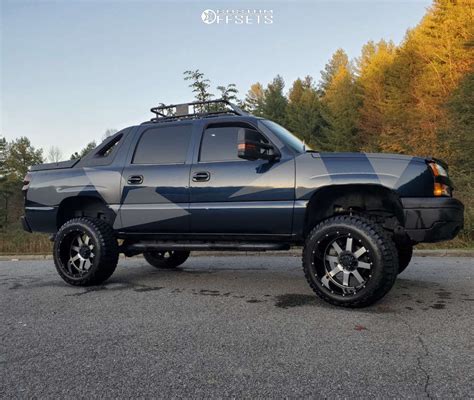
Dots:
(207, 176)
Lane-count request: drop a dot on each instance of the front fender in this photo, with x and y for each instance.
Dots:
(406, 175)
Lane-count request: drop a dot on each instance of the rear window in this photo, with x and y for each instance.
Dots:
(166, 145)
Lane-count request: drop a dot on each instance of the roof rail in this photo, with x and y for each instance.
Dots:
(193, 110)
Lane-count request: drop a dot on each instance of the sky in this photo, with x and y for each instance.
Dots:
(70, 69)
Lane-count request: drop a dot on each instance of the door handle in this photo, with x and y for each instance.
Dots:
(135, 179)
(201, 176)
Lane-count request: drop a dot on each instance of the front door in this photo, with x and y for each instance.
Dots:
(155, 194)
(229, 195)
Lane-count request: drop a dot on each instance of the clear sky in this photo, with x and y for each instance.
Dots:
(72, 69)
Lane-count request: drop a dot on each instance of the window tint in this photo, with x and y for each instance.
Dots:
(220, 144)
(167, 145)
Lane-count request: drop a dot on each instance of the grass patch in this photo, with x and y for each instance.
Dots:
(17, 241)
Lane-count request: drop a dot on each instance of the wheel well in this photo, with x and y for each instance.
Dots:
(373, 200)
(84, 206)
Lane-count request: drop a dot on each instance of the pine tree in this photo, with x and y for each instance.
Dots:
(372, 70)
(338, 59)
(275, 102)
(20, 156)
(303, 115)
(254, 99)
(340, 105)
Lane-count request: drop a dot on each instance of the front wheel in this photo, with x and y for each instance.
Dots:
(166, 258)
(350, 261)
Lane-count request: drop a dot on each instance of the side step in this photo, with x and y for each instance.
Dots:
(207, 246)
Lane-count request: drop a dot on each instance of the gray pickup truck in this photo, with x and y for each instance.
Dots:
(207, 176)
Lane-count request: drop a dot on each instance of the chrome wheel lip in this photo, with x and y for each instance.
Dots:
(81, 254)
(346, 264)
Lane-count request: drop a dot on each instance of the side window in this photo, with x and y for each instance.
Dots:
(220, 143)
(166, 145)
(108, 149)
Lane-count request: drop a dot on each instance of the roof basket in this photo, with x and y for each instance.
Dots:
(196, 109)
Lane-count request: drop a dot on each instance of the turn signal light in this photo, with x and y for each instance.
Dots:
(441, 190)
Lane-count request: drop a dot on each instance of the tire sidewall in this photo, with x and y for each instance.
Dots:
(359, 231)
(83, 226)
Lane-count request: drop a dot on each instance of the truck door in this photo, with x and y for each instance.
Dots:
(155, 194)
(229, 195)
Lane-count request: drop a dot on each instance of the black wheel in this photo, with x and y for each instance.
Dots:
(350, 261)
(166, 258)
(85, 251)
(405, 254)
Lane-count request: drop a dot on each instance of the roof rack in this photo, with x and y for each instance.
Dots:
(193, 110)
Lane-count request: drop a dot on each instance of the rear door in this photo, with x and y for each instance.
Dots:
(230, 195)
(155, 194)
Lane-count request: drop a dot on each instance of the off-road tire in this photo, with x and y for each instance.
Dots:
(167, 259)
(405, 254)
(384, 266)
(105, 250)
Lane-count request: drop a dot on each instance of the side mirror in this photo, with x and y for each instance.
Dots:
(251, 147)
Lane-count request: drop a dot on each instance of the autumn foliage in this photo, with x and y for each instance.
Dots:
(415, 98)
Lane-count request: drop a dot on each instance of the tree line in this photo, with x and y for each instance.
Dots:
(413, 98)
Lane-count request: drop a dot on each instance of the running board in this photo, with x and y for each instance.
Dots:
(203, 246)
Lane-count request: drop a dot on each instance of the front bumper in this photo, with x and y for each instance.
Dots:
(432, 219)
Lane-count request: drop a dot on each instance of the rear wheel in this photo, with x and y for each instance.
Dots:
(166, 258)
(350, 261)
(85, 251)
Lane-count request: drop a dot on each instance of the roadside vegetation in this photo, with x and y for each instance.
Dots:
(415, 98)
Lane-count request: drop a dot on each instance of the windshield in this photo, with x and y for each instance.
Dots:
(286, 137)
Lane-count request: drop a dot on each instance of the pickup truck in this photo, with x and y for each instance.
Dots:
(208, 176)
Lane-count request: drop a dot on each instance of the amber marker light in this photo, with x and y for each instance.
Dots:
(439, 189)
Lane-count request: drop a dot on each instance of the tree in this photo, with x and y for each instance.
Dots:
(5, 193)
(338, 59)
(200, 86)
(340, 105)
(255, 99)
(3, 156)
(428, 67)
(228, 92)
(303, 114)
(54, 154)
(275, 102)
(90, 146)
(372, 70)
(460, 134)
(20, 156)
